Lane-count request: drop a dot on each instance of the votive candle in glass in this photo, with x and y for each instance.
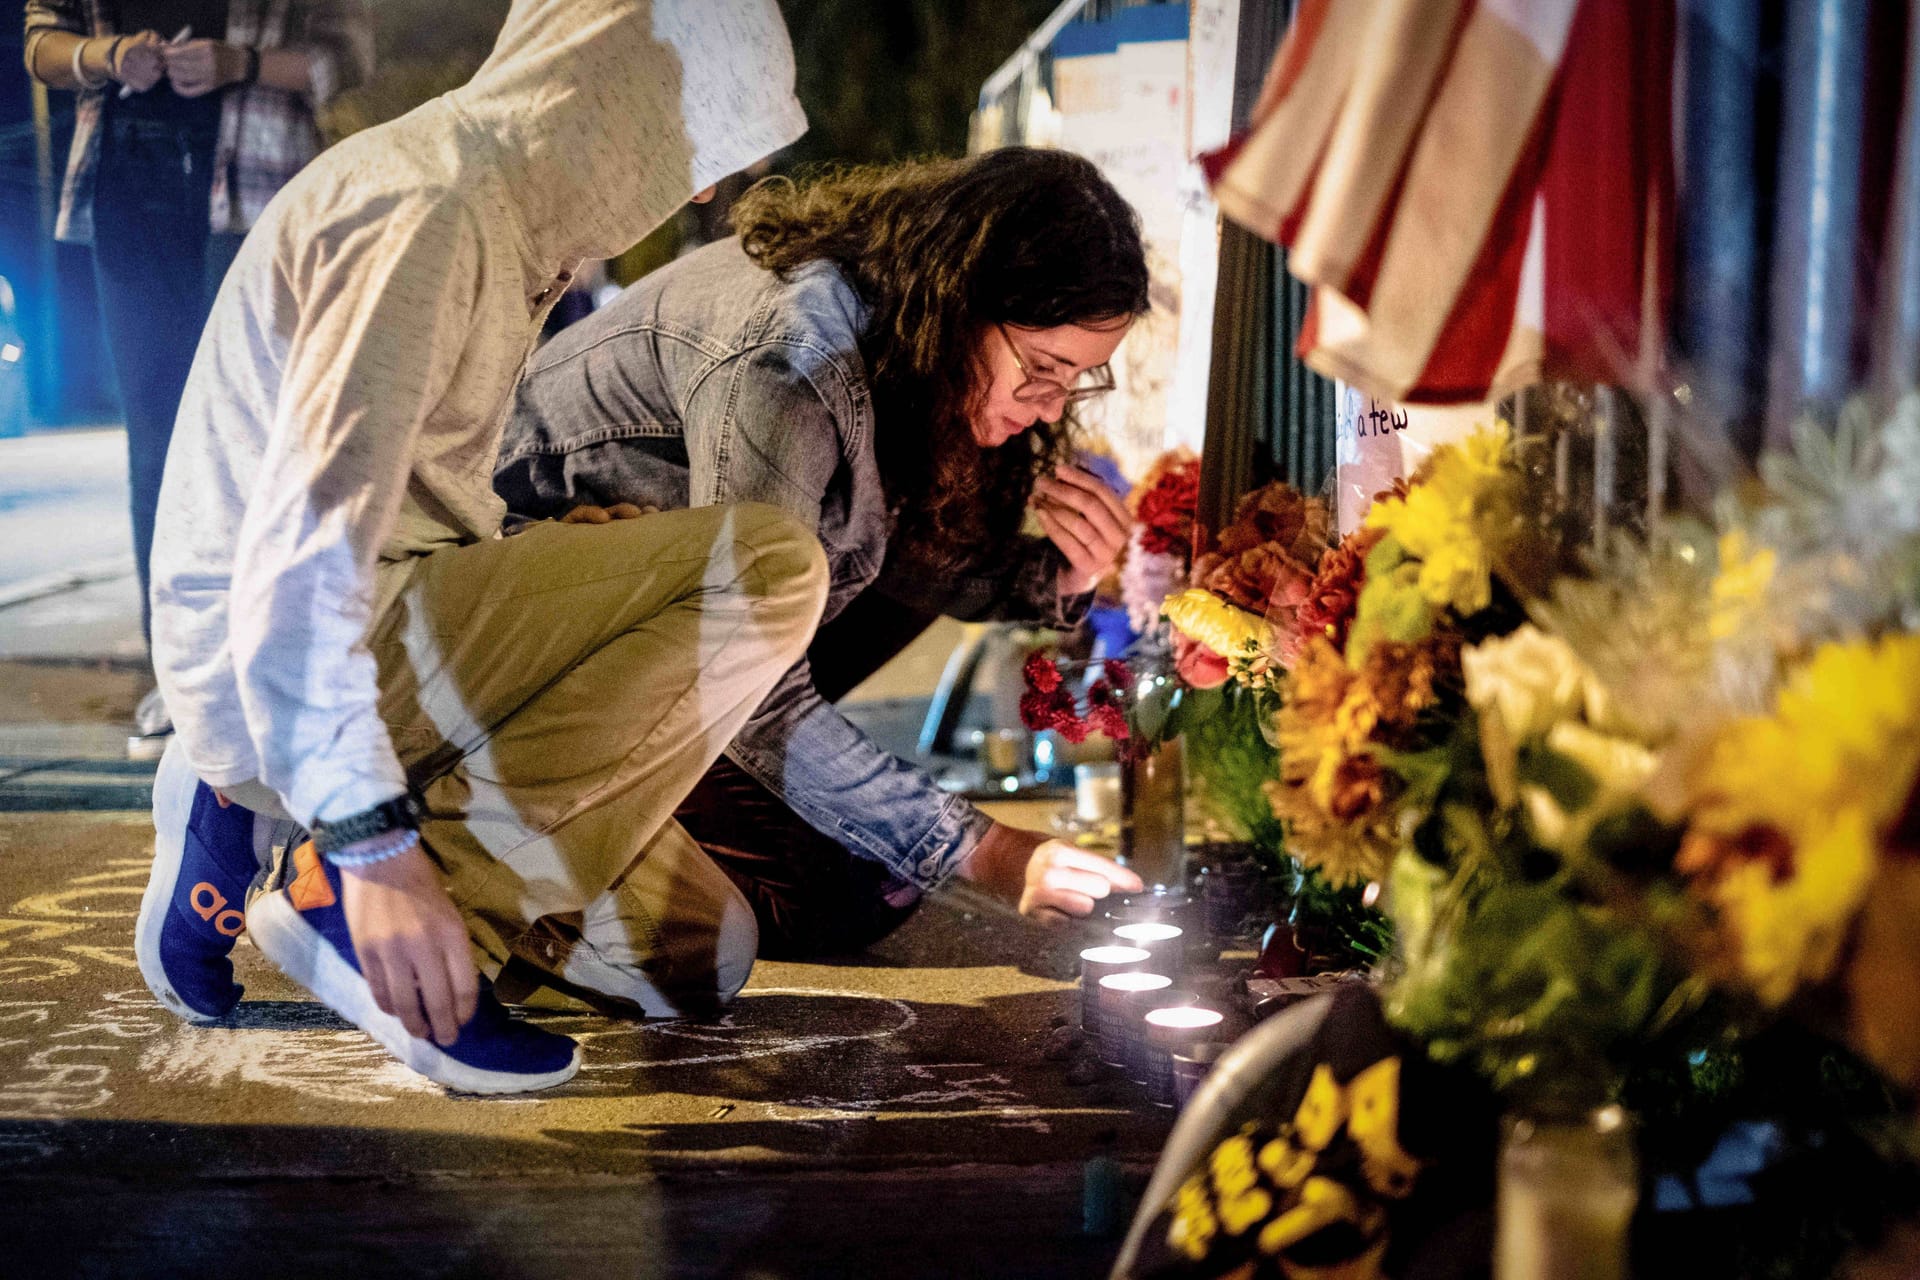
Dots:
(1163, 942)
(1115, 990)
(1171, 1030)
(1095, 964)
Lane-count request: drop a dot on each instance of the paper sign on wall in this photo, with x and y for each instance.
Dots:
(1377, 442)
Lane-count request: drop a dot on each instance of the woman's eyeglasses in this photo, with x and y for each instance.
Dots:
(1096, 381)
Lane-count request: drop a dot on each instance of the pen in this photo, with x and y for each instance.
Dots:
(179, 37)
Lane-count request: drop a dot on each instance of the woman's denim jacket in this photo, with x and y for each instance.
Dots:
(714, 381)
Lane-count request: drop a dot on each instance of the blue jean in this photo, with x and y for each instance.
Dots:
(156, 267)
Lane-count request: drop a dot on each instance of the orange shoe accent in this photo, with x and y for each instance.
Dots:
(211, 905)
(310, 887)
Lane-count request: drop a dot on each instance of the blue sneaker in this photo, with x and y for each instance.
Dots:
(303, 929)
(204, 859)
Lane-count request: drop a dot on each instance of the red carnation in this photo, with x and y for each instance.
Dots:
(1166, 508)
(1040, 673)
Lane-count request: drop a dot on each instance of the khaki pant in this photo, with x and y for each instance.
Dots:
(553, 695)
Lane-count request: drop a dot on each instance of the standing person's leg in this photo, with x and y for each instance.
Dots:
(149, 251)
(222, 248)
(555, 694)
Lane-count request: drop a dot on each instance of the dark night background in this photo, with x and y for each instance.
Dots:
(880, 80)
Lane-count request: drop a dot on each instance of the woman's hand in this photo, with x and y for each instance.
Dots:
(1085, 520)
(1050, 879)
(198, 67)
(138, 62)
(588, 514)
(412, 944)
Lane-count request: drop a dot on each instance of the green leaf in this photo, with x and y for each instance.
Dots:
(1566, 780)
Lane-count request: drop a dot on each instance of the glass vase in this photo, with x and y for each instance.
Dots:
(1568, 1183)
(1153, 816)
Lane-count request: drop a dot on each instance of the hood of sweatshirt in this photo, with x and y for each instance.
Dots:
(606, 115)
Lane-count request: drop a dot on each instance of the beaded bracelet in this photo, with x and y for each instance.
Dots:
(379, 849)
(80, 75)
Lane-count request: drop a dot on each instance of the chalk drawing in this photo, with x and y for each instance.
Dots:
(85, 897)
(757, 1039)
(50, 924)
(338, 1065)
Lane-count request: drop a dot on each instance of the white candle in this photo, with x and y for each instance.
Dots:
(1114, 990)
(1162, 941)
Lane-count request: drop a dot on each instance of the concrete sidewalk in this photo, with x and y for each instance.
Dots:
(891, 1115)
(67, 586)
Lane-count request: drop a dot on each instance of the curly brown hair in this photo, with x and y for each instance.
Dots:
(939, 251)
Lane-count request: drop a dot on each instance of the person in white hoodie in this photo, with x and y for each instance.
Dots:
(486, 737)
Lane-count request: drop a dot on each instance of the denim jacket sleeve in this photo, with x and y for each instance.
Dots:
(799, 746)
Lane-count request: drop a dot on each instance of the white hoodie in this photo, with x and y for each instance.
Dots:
(346, 400)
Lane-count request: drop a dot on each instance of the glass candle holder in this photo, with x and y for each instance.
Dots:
(1095, 964)
(1115, 989)
(1170, 1031)
(1228, 891)
(1138, 1005)
(1568, 1186)
(1096, 792)
(1163, 943)
(1191, 1066)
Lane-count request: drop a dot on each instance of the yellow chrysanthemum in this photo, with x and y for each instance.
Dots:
(1790, 931)
(1830, 770)
(1435, 522)
(1845, 734)
(1745, 574)
(1228, 630)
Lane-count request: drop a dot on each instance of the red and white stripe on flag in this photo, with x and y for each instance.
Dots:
(1479, 191)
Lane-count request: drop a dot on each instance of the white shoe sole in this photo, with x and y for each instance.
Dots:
(144, 747)
(306, 957)
(172, 806)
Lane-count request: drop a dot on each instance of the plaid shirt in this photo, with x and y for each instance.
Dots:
(266, 135)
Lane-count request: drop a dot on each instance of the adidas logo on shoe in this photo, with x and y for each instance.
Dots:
(303, 929)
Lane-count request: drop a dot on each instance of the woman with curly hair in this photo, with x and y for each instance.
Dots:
(891, 354)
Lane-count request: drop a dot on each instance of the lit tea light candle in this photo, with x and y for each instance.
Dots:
(1115, 990)
(1162, 941)
(1170, 1031)
(1095, 964)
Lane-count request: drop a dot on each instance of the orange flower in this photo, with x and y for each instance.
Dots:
(1334, 594)
(1266, 557)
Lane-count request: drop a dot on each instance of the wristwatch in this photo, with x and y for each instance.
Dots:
(397, 814)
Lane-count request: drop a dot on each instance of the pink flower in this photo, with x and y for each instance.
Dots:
(1198, 666)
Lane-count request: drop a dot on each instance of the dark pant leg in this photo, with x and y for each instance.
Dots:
(149, 252)
(222, 248)
(811, 894)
